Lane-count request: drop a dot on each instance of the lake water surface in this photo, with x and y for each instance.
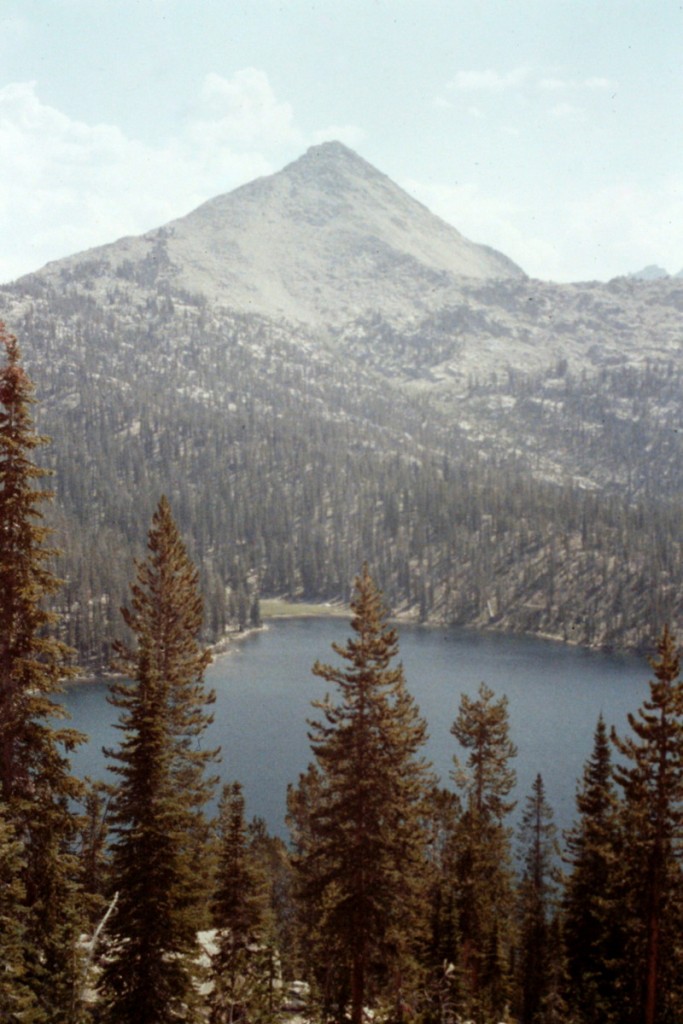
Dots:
(264, 687)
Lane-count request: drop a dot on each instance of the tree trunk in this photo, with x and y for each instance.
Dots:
(357, 988)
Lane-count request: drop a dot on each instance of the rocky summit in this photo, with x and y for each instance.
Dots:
(327, 237)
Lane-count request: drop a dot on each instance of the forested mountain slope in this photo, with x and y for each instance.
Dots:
(503, 452)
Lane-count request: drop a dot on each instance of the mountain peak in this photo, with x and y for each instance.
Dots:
(331, 150)
(325, 240)
(332, 163)
(333, 154)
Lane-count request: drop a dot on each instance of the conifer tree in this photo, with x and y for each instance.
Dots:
(272, 857)
(241, 968)
(554, 1006)
(17, 1003)
(441, 950)
(363, 860)
(538, 850)
(651, 780)
(591, 900)
(93, 854)
(482, 879)
(36, 784)
(157, 807)
(311, 947)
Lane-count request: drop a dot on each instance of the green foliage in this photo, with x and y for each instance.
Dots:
(592, 906)
(159, 852)
(442, 818)
(482, 874)
(287, 471)
(360, 835)
(272, 857)
(309, 947)
(651, 818)
(554, 1007)
(405, 890)
(17, 1003)
(92, 850)
(36, 785)
(243, 966)
(487, 778)
(536, 899)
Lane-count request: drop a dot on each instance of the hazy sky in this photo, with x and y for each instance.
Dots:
(549, 129)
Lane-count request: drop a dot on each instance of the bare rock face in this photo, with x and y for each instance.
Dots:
(327, 237)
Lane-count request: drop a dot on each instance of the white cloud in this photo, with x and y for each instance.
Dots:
(599, 83)
(566, 84)
(493, 81)
(616, 229)
(59, 178)
(489, 80)
(66, 185)
(243, 111)
(554, 84)
(567, 112)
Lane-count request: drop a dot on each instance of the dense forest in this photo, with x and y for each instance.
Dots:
(544, 503)
(400, 896)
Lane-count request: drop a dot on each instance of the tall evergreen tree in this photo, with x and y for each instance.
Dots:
(311, 947)
(36, 784)
(482, 880)
(537, 890)
(441, 953)
(591, 899)
(241, 967)
(363, 859)
(157, 808)
(651, 779)
(554, 1006)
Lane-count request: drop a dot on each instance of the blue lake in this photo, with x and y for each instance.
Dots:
(264, 687)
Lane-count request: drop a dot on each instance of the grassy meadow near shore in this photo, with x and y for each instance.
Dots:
(281, 608)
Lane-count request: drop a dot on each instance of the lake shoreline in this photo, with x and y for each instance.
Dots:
(282, 609)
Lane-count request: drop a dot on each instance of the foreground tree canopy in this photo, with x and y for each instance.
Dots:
(361, 858)
(157, 812)
(36, 785)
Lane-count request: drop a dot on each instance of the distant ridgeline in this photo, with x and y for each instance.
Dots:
(501, 452)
